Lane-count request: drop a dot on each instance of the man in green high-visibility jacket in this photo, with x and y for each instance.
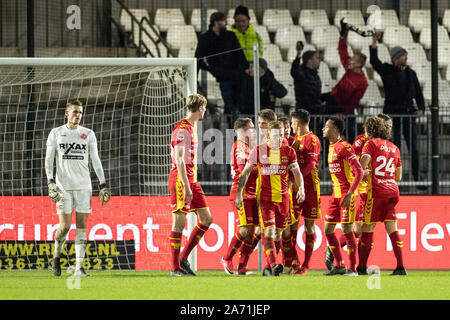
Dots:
(245, 33)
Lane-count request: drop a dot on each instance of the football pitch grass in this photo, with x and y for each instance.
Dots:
(216, 285)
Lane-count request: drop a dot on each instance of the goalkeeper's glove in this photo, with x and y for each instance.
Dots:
(54, 192)
(104, 193)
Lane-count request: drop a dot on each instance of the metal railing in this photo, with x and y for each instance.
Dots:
(142, 48)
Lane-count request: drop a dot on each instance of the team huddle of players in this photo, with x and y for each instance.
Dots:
(276, 182)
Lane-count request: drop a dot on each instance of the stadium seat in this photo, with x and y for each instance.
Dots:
(353, 17)
(158, 49)
(446, 19)
(292, 51)
(262, 31)
(381, 19)
(358, 42)
(251, 13)
(328, 85)
(418, 19)
(275, 18)
(416, 54)
(144, 37)
(309, 19)
(180, 36)
(331, 56)
(214, 95)
(125, 19)
(324, 73)
(444, 56)
(288, 99)
(423, 73)
(272, 54)
(325, 36)
(187, 52)
(167, 17)
(425, 37)
(281, 71)
(397, 36)
(443, 91)
(287, 36)
(196, 18)
(372, 99)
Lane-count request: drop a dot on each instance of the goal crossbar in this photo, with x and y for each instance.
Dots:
(189, 63)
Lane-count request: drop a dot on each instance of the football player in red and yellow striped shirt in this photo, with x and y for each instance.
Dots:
(186, 194)
(346, 174)
(382, 166)
(273, 160)
(248, 213)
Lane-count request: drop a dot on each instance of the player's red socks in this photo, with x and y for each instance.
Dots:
(269, 251)
(255, 240)
(342, 240)
(194, 239)
(310, 240)
(234, 246)
(295, 260)
(277, 246)
(397, 245)
(351, 249)
(245, 252)
(335, 248)
(364, 246)
(175, 244)
(287, 251)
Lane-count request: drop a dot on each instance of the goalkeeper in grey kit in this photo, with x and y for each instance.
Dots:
(73, 145)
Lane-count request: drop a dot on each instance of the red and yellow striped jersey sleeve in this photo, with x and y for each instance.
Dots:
(339, 155)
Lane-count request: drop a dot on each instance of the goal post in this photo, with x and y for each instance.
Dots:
(132, 105)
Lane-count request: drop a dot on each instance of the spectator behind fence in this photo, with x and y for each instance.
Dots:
(347, 93)
(307, 84)
(217, 53)
(245, 33)
(269, 87)
(401, 87)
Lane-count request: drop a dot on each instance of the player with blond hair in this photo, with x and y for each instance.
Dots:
(186, 194)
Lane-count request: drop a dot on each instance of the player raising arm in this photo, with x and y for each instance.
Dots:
(273, 160)
(382, 166)
(73, 146)
(186, 194)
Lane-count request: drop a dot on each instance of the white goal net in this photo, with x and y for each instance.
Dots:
(132, 106)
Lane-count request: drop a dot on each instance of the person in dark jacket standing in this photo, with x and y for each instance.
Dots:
(269, 86)
(401, 87)
(307, 84)
(219, 52)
